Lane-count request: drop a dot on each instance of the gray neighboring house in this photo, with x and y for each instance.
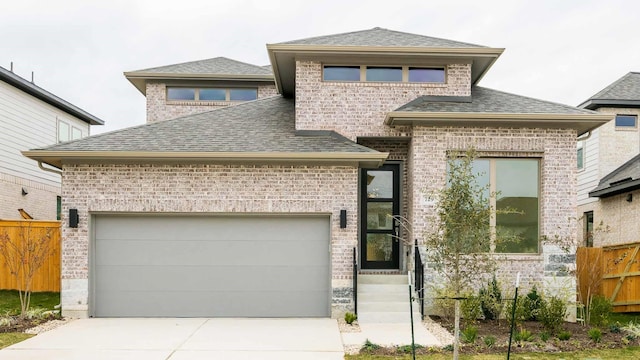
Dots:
(608, 173)
(32, 117)
(258, 209)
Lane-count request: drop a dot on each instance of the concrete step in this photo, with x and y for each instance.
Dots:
(382, 279)
(382, 296)
(390, 317)
(383, 288)
(386, 306)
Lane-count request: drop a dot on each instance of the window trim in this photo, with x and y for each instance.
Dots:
(197, 94)
(405, 74)
(629, 128)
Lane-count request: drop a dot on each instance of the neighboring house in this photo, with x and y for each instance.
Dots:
(609, 167)
(256, 209)
(199, 86)
(33, 117)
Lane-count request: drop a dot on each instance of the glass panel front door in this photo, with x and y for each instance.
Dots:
(379, 245)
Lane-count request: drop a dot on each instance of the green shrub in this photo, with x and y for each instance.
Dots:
(448, 347)
(491, 299)
(443, 303)
(552, 313)
(523, 335)
(544, 336)
(615, 328)
(408, 349)
(520, 314)
(350, 317)
(599, 311)
(470, 334)
(564, 335)
(595, 334)
(633, 330)
(471, 309)
(369, 346)
(532, 304)
(489, 340)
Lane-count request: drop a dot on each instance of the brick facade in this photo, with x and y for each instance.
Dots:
(206, 189)
(40, 202)
(158, 108)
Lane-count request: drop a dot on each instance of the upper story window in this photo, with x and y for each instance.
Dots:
(67, 132)
(407, 74)
(580, 149)
(626, 121)
(211, 94)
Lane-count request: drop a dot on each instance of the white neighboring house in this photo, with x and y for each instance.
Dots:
(31, 117)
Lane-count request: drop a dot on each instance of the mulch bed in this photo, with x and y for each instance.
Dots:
(20, 325)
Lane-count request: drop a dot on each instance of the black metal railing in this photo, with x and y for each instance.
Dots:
(419, 277)
(355, 282)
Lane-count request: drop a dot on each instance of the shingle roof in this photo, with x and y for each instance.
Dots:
(265, 125)
(623, 92)
(217, 65)
(623, 179)
(381, 37)
(485, 100)
(51, 99)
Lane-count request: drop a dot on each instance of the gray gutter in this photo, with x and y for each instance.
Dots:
(39, 93)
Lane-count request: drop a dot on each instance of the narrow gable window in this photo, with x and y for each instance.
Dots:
(213, 94)
(386, 74)
(580, 155)
(626, 121)
(181, 93)
(426, 75)
(341, 73)
(243, 94)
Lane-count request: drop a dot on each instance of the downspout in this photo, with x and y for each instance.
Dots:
(584, 138)
(49, 170)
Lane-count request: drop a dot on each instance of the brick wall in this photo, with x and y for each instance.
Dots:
(40, 202)
(616, 146)
(206, 189)
(555, 148)
(159, 109)
(356, 109)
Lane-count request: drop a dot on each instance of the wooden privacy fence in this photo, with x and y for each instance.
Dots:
(613, 272)
(47, 278)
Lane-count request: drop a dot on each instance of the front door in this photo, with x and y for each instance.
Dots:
(380, 202)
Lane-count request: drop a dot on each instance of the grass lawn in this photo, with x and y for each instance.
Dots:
(10, 301)
(7, 339)
(624, 318)
(628, 353)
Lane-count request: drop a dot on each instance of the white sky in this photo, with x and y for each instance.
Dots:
(558, 50)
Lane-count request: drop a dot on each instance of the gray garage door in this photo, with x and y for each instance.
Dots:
(197, 266)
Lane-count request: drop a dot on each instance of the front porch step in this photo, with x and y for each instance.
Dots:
(391, 317)
(382, 279)
(384, 306)
(367, 297)
(384, 298)
(383, 288)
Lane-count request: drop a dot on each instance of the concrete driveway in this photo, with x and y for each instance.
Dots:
(184, 339)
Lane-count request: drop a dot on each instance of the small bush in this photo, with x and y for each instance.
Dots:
(36, 313)
(532, 304)
(350, 317)
(520, 314)
(544, 336)
(407, 349)
(470, 334)
(489, 340)
(523, 335)
(633, 330)
(443, 303)
(595, 334)
(491, 299)
(599, 311)
(552, 313)
(471, 309)
(615, 328)
(369, 346)
(564, 335)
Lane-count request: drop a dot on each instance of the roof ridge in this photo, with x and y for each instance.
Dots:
(609, 87)
(536, 99)
(199, 61)
(428, 36)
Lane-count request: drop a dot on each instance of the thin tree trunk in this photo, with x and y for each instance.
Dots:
(456, 333)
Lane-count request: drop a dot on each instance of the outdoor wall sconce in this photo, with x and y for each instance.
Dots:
(24, 192)
(343, 219)
(73, 218)
(629, 197)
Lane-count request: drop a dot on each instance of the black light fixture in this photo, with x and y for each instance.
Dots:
(629, 197)
(24, 192)
(73, 218)
(343, 219)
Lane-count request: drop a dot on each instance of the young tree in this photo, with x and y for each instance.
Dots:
(459, 247)
(24, 254)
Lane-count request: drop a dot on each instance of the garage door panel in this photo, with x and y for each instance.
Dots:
(205, 304)
(245, 252)
(184, 266)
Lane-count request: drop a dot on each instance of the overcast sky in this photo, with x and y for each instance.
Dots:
(557, 50)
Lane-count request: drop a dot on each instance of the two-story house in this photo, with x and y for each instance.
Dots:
(32, 117)
(255, 210)
(608, 166)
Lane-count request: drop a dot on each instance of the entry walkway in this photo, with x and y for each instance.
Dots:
(184, 339)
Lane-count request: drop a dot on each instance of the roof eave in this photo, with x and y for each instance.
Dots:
(296, 50)
(616, 189)
(57, 158)
(581, 122)
(593, 104)
(139, 79)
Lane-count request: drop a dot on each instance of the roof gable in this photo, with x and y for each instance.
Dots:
(214, 66)
(624, 92)
(381, 37)
(32, 89)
